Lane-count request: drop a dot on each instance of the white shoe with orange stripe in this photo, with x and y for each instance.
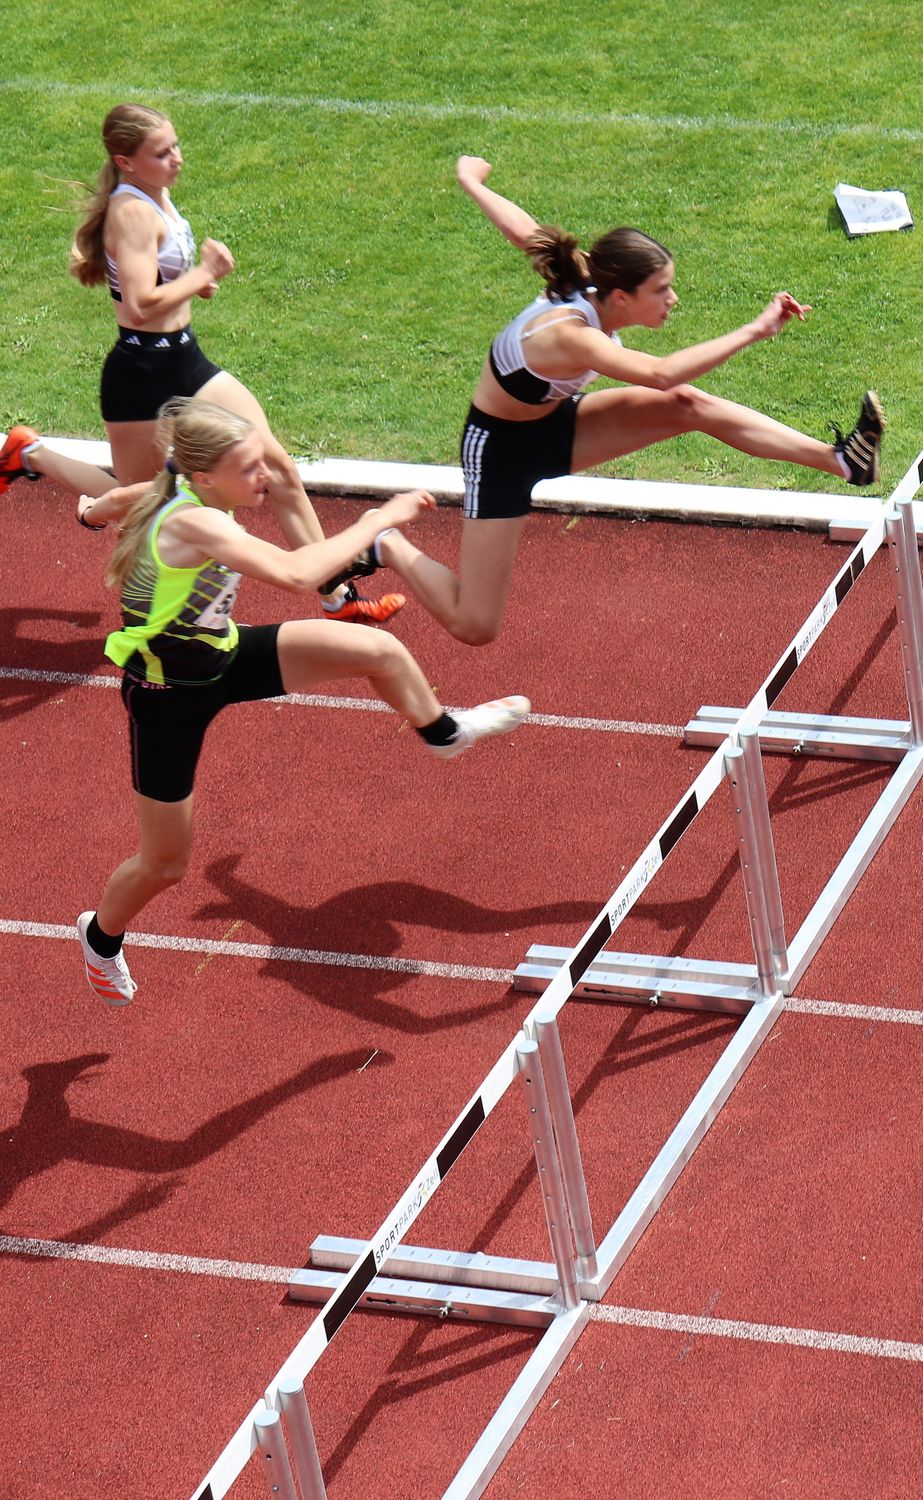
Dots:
(109, 977)
(499, 716)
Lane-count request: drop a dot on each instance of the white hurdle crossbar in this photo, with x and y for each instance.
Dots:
(556, 1297)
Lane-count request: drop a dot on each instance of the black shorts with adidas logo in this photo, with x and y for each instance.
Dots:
(144, 370)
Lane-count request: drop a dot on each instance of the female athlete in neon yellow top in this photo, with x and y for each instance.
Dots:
(179, 561)
(176, 621)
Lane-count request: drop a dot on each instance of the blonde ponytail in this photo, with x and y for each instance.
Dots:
(134, 527)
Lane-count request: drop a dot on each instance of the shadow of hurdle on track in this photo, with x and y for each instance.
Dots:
(802, 784)
(680, 1032)
(375, 913)
(434, 1354)
(49, 1133)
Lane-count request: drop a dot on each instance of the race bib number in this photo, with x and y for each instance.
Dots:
(216, 613)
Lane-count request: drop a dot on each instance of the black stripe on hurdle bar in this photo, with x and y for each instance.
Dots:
(350, 1292)
(597, 939)
(672, 835)
(466, 1128)
(206, 1494)
(845, 583)
(780, 677)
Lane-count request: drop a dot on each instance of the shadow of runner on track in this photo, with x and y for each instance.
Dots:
(48, 1133)
(18, 695)
(376, 909)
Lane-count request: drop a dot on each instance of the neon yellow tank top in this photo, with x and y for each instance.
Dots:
(176, 622)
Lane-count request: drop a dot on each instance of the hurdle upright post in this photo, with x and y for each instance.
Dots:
(549, 1170)
(565, 1131)
(762, 828)
(271, 1444)
(751, 867)
(294, 1406)
(902, 541)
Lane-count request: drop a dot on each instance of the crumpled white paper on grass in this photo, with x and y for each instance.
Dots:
(865, 212)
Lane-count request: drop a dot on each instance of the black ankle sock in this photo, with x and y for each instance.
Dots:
(101, 942)
(442, 731)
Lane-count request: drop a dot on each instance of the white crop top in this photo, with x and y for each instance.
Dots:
(511, 368)
(175, 254)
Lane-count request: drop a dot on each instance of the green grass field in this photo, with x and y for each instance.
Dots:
(320, 142)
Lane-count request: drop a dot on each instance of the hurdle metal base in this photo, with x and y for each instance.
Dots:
(522, 1293)
(419, 1262)
(438, 1300)
(647, 979)
(807, 734)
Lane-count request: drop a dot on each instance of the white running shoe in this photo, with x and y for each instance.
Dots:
(497, 717)
(109, 977)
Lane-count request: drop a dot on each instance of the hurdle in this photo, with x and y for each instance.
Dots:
(554, 1298)
(547, 1297)
(741, 736)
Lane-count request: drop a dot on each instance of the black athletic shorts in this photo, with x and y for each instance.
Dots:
(143, 370)
(168, 724)
(502, 461)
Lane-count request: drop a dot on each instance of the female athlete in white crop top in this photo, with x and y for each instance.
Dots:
(175, 252)
(133, 237)
(528, 422)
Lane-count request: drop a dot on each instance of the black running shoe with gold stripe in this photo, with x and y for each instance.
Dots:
(362, 566)
(861, 448)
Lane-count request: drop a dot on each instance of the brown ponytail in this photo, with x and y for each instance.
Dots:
(621, 259)
(124, 129)
(558, 259)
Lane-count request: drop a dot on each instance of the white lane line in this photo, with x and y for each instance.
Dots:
(63, 679)
(499, 113)
(369, 705)
(142, 1260)
(235, 1270)
(854, 1012)
(760, 1333)
(269, 952)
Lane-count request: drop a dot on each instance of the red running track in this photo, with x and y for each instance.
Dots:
(244, 1104)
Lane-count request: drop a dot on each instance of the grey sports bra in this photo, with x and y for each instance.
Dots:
(175, 254)
(510, 366)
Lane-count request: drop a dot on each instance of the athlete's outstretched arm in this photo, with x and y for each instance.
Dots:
(592, 348)
(511, 220)
(304, 569)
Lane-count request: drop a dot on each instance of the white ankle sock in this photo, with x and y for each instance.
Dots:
(380, 537)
